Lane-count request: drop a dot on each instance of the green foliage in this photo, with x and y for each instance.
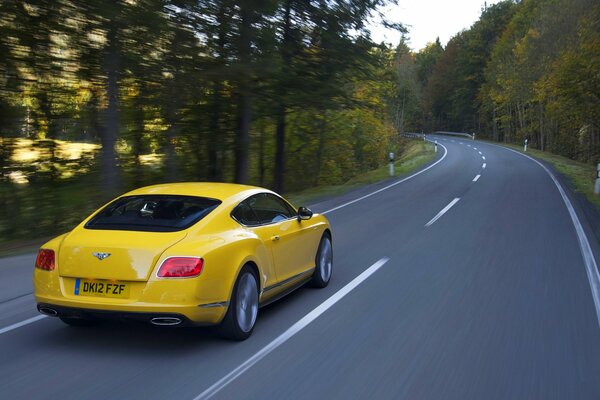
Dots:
(451, 92)
(524, 70)
(282, 93)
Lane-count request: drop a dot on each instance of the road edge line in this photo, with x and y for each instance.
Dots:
(291, 331)
(591, 266)
(22, 323)
(390, 185)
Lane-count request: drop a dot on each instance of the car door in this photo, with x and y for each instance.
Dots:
(286, 235)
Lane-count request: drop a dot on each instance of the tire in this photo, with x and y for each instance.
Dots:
(241, 315)
(323, 263)
(78, 321)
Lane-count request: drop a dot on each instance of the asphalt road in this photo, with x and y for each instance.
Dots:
(491, 300)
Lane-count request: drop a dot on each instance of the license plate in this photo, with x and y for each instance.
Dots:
(93, 287)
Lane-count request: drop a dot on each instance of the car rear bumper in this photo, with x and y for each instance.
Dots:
(155, 314)
(193, 299)
(162, 319)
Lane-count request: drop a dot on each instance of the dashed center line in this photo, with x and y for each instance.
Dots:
(476, 178)
(484, 165)
(444, 210)
(480, 153)
(483, 157)
(475, 148)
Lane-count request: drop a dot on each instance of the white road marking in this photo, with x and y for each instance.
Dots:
(591, 268)
(483, 157)
(391, 185)
(476, 178)
(468, 145)
(475, 148)
(484, 165)
(22, 323)
(291, 331)
(460, 143)
(480, 153)
(444, 210)
(452, 140)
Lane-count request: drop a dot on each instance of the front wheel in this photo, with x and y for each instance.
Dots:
(243, 308)
(324, 263)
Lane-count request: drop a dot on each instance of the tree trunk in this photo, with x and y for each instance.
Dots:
(279, 151)
(170, 154)
(242, 141)
(108, 138)
(494, 125)
(215, 169)
(261, 157)
(279, 172)
(542, 144)
(320, 151)
(138, 132)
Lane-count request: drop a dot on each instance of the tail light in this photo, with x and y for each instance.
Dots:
(180, 267)
(45, 260)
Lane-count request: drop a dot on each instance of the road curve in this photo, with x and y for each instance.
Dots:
(483, 294)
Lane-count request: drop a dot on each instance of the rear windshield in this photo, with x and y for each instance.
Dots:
(153, 213)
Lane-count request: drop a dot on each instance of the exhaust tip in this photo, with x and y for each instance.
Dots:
(166, 321)
(48, 311)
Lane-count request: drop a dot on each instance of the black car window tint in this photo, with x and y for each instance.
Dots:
(269, 208)
(245, 215)
(153, 213)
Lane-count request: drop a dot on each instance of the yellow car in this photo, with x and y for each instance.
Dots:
(184, 254)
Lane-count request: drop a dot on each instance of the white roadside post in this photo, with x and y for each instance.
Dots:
(525, 145)
(391, 164)
(436, 146)
(597, 184)
(473, 135)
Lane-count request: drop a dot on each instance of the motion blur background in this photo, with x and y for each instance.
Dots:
(97, 97)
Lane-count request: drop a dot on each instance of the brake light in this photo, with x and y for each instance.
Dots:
(180, 267)
(45, 260)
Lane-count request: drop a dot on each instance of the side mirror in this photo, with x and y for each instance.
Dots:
(304, 213)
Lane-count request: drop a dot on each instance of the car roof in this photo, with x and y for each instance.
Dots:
(214, 190)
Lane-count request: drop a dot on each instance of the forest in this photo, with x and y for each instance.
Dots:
(98, 97)
(525, 70)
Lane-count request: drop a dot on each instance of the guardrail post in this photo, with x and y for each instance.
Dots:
(525, 145)
(597, 184)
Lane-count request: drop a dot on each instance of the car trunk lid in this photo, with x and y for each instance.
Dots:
(115, 255)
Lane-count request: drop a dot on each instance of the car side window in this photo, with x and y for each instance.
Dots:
(270, 209)
(244, 214)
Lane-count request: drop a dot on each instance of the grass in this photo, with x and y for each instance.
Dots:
(581, 175)
(415, 154)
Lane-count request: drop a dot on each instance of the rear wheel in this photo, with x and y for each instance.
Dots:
(324, 263)
(77, 321)
(240, 319)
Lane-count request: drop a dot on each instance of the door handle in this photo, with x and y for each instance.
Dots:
(275, 238)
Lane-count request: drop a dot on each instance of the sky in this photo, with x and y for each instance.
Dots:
(428, 19)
